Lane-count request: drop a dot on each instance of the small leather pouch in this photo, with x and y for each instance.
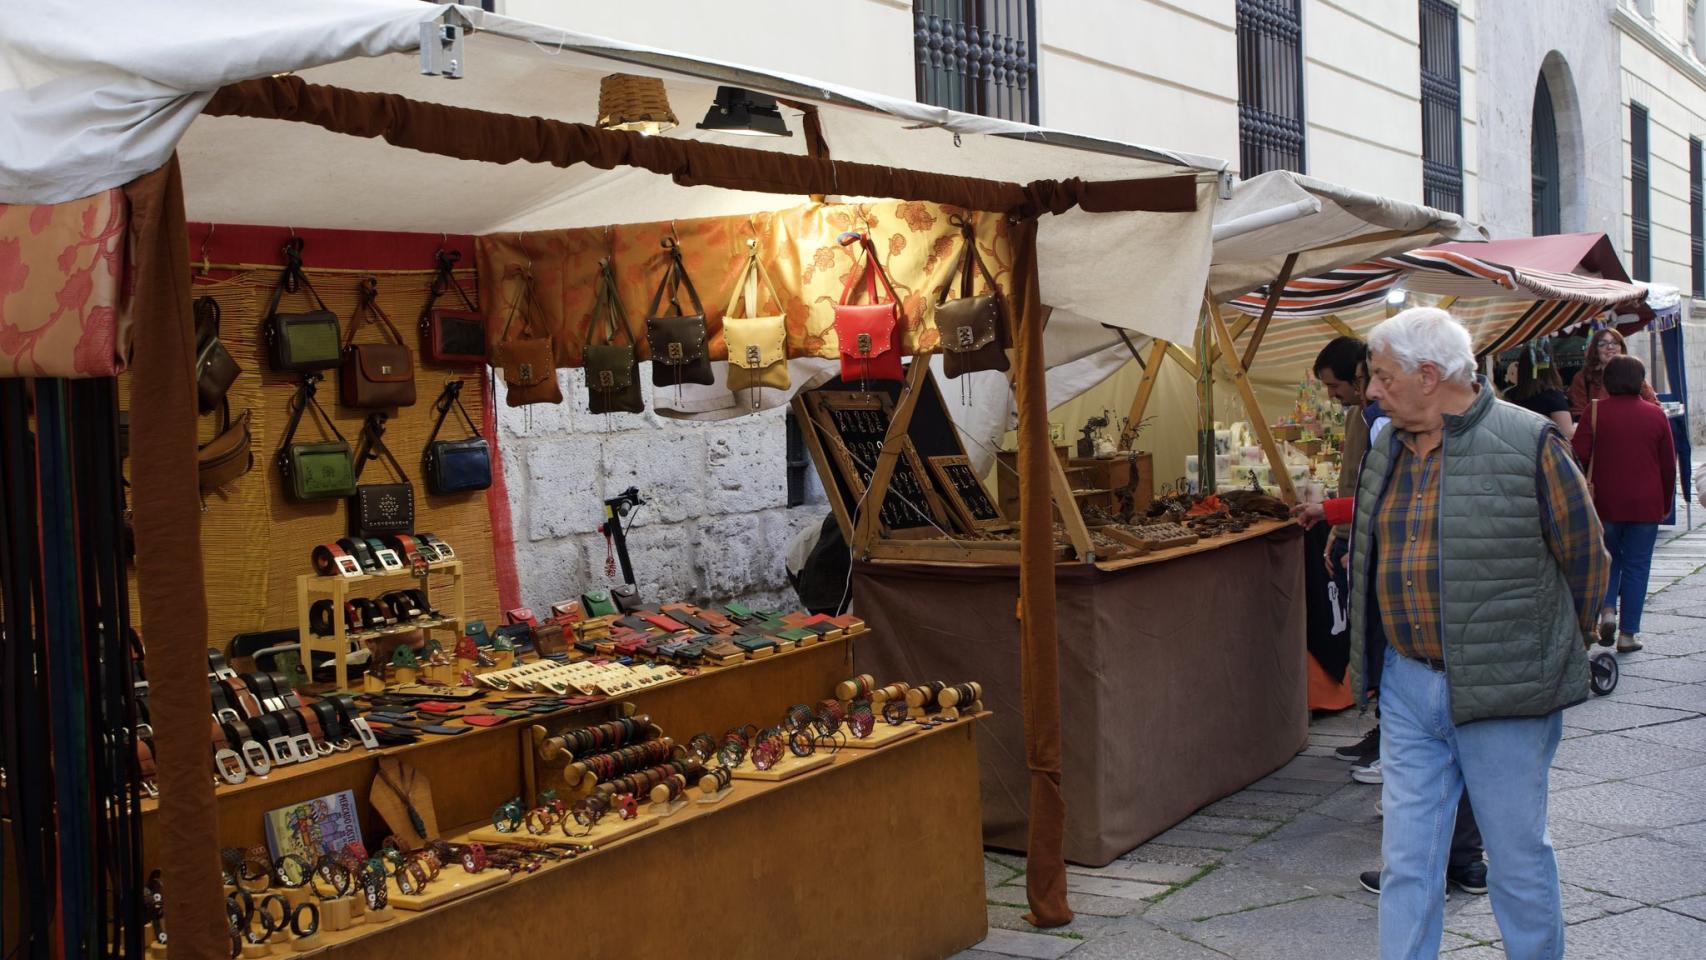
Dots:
(229, 454)
(380, 509)
(456, 466)
(375, 374)
(677, 342)
(215, 370)
(300, 342)
(758, 346)
(319, 470)
(529, 361)
(972, 330)
(452, 336)
(866, 333)
(597, 603)
(612, 371)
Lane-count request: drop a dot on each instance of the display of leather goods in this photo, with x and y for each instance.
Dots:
(215, 371)
(228, 455)
(380, 508)
(300, 342)
(319, 470)
(612, 369)
(529, 361)
(451, 335)
(677, 341)
(456, 466)
(758, 346)
(868, 339)
(375, 374)
(972, 329)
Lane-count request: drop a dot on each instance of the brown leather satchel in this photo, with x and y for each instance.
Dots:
(215, 370)
(612, 370)
(375, 374)
(529, 361)
(677, 342)
(972, 329)
(227, 456)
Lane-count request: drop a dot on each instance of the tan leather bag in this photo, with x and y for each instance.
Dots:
(972, 329)
(758, 346)
(529, 361)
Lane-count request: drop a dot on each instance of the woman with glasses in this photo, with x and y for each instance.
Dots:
(1589, 382)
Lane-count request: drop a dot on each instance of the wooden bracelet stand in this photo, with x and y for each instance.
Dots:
(786, 768)
(882, 735)
(710, 793)
(848, 690)
(255, 951)
(337, 914)
(296, 896)
(662, 805)
(449, 885)
(305, 944)
(156, 950)
(384, 914)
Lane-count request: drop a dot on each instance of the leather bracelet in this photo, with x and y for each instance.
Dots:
(305, 919)
(474, 857)
(331, 873)
(358, 548)
(265, 910)
(292, 871)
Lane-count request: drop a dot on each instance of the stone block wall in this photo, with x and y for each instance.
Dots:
(716, 525)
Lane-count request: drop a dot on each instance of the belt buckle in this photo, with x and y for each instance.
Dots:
(282, 750)
(227, 715)
(676, 353)
(223, 673)
(273, 704)
(229, 766)
(255, 758)
(143, 731)
(303, 744)
(365, 732)
(964, 338)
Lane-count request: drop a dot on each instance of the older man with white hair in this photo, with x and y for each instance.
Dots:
(1476, 556)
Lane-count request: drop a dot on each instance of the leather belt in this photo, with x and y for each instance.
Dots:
(217, 668)
(358, 548)
(444, 551)
(386, 557)
(1437, 666)
(410, 552)
(238, 693)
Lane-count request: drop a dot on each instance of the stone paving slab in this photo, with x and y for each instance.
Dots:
(1691, 907)
(1608, 714)
(1625, 803)
(1687, 733)
(1635, 868)
(1690, 697)
(1145, 942)
(1037, 946)
(1230, 889)
(1617, 757)
(1163, 873)
(1641, 933)
(1674, 669)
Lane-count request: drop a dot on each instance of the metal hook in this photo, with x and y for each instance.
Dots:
(205, 265)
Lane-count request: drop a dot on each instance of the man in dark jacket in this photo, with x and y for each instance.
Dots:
(1477, 554)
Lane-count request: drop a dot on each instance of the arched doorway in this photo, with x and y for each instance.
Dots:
(1548, 210)
(1558, 180)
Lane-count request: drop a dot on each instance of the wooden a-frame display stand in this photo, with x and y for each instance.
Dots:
(863, 527)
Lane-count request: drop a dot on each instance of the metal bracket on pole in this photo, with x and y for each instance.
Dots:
(441, 43)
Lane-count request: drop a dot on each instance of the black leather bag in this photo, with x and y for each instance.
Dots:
(300, 342)
(456, 466)
(380, 509)
(972, 330)
(677, 343)
(215, 370)
(612, 371)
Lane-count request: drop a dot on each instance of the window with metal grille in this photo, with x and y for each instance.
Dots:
(1640, 200)
(977, 56)
(1270, 86)
(1547, 197)
(1696, 220)
(1442, 108)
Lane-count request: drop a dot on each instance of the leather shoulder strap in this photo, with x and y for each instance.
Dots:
(607, 307)
(368, 304)
(446, 279)
(292, 278)
(522, 304)
(373, 446)
(871, 272)
(450, 397)
(674, 278)
(749, 278)
(305, 400)
(206, 319)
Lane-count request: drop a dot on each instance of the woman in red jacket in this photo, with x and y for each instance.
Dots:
(1588, 384)
(1625, 447)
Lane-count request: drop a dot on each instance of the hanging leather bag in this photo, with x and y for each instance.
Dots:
(215, 370)
(314, 471)
(972, 329)
(868, 341)
(452, 336)
(529, 361)
(300, 342)
(758, 346)
(375, 374)
(229, 454)
(612, 370)
(456, 466)
(380, 509)
(677, 342)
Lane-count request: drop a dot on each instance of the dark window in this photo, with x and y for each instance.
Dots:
(977, 56)
(1270, 86)
(1547, 195)
(1442, 109)
(1640, 203)
(799, 461)
(1696, 221)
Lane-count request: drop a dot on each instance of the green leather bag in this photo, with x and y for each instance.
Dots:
(314, 471)
(597, 603)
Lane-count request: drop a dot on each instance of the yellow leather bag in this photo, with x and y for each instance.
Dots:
(758, 346)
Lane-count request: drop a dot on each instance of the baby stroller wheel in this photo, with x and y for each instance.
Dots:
(1602, 672)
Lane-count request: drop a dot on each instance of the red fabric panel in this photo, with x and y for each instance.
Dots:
(497, 505)
(325, 249)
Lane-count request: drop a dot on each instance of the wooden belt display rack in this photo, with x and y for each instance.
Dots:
(339, 589)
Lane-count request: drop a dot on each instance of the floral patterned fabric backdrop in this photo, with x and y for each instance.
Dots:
(61, 272)
(918, 244)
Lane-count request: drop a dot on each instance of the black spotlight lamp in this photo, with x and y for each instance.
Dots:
(746, 113)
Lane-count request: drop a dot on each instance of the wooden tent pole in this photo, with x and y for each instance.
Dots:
(1139, 403)
(870, 518)
(1275, 291)
(1258, 420)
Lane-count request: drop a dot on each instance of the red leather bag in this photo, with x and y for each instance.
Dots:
(868, 333)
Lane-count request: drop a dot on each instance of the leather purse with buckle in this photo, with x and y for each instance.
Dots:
(456, 466)
(867, 334)
(378, 509)
(314, 471)
(612, 371)
(375, 374)
(300, 342)
(972, 329)
(228, 455)
(529, 361)
(452, 336)
(677, 342)
(758, 346)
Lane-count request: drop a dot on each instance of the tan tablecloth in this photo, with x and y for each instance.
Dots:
(1181, 682)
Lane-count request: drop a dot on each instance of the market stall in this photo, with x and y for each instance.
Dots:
(479, 703)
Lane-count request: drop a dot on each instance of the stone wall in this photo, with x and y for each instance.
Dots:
(716, 525)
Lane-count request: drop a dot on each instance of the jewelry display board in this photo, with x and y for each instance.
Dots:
(965, 493)
(856, 424)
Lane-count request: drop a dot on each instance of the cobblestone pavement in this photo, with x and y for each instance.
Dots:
(1271, 872)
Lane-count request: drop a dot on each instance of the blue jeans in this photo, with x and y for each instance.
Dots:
(1425, 763)
(1631, 549)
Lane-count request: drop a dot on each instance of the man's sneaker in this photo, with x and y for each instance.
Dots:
(1368, 773)
(1470, 878)
(1368, 746)
(1626, 643)
(1370, 881)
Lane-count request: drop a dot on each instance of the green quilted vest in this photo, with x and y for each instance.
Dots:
(1513, 646)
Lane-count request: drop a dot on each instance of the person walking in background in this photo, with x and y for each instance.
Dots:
(1476, 553)
(1542, 391)
(1589, 382)
(1625, 446)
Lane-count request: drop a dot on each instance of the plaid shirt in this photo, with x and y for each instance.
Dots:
(1406, 544)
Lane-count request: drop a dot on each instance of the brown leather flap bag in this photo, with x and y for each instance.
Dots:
(972, 329)
(612, 371)
(375, 374)
(529, 362)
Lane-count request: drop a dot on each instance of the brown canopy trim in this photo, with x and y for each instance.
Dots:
(504, 138)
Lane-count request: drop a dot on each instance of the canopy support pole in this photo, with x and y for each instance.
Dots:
(1258, 420)
(1139, 403)
(1274, 293)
